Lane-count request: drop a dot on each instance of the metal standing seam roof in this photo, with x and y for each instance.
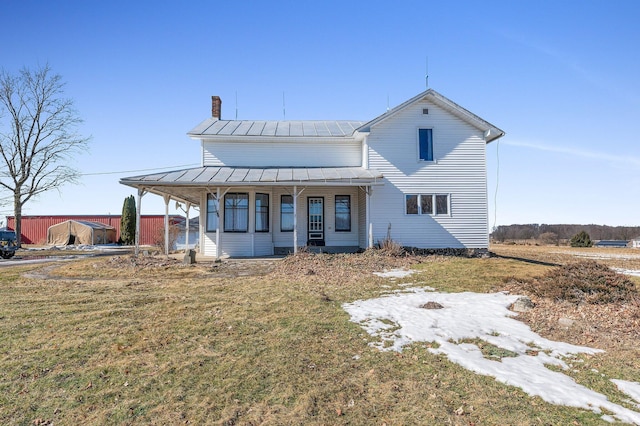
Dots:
(307, 128)
(230, 176)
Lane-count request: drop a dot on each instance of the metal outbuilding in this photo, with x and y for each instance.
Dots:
(34, 228)
(76, 232)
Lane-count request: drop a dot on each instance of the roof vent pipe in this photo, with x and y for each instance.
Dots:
(216, 107)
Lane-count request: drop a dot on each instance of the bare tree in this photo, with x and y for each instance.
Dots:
(38, 136)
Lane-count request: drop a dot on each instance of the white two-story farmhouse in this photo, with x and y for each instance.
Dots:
(416, 173)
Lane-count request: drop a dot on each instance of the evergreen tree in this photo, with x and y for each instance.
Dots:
(128, 221)
(581, 239)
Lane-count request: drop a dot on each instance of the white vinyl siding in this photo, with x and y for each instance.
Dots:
(249, 243)
(317, 153)
(363, 227)
(331, 236)
(458, 169)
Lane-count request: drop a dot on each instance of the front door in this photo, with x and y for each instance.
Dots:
(315, 213)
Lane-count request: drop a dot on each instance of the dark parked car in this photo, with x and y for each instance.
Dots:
(8, 244)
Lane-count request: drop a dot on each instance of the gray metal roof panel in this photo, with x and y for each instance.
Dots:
(296, 128)
(205, 176)
(300, 174)
(229, 128)
(269, 128)
(202, 127)
(269, 175)
(243, 128)
(283, 129)
(285, 175)
(222, 175)
(256, 128)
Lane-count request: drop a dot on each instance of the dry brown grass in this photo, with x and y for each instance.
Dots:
(151, 341)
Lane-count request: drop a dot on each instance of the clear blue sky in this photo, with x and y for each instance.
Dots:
(561, 78)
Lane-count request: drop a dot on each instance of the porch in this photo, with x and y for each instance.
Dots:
(261, 212)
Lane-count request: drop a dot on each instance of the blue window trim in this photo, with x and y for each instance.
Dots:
(425, 144)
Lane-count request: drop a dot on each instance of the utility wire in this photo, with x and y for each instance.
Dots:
(139, 170)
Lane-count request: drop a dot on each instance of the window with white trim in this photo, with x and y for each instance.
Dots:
(343, 213)
(262, 212)
(286, 213)
(236, 212)
(212, 213)
(427, 204)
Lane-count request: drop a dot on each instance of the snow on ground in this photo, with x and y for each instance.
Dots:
(633, 272)
(394, 273)
(600, 255)
(398, 320)
(630, 388)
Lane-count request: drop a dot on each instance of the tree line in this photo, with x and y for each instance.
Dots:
(554, 233)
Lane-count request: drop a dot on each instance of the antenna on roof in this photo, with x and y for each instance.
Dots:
(387, 102)
(236, 105)
(284, 111)
(426, 75)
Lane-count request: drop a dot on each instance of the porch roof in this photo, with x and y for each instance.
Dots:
(187, 184)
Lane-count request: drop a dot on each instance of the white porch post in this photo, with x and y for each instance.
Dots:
(166, 224)
(218, 223)
(295, 219)
(141, 192)
(186, 237)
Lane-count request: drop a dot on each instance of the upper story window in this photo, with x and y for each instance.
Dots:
(212, 213)
(286, 213)
(262, 212)
(236, 212)
(425, 144)
(343, 213)
(427, 204)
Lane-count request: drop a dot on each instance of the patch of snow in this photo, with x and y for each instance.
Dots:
(630, 388)
(394, 273)
(597, 255)
(398, 320)
(633, 272)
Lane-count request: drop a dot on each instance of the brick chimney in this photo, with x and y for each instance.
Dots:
(216, 107)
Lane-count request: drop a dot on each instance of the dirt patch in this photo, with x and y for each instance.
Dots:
(584, 303)
(582, 282)
(344, 268)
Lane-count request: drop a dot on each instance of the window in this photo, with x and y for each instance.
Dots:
(343, 213)
(236, 212)
(262, 212)
(212, 213)
(411, 202)
(423, 204)
(425, 140)
(286, 213)
(442, 204)
(426, 204)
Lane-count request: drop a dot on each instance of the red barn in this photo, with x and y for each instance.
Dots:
(34, 228)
